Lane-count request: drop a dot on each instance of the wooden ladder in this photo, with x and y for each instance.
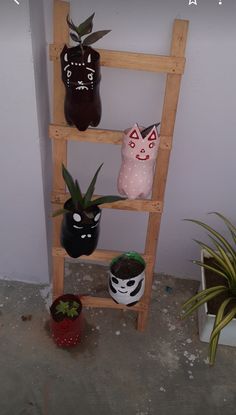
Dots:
(60, 133)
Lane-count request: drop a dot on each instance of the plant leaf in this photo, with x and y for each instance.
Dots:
(79, 194)
(215, 270)
(226, 320)
(214, 342)
(203, 300)
(89, 193)
(94, 37)
(71, 185)
(70, 23)
(74, 37)
(201, 294)
(86, 27)
(105, 199)
(214, 233)
(228, 223)
(225, 257)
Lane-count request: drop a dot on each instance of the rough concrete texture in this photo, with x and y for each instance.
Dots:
(115, 370)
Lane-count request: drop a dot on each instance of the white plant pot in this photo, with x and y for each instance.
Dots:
(206, 321)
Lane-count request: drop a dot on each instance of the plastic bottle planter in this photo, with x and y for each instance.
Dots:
(127, 278)
(81, 77)
(138, 162)
(66, 331)
(80, 230)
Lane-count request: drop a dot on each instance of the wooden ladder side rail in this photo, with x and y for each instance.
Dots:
(172, 90)
(59, 147)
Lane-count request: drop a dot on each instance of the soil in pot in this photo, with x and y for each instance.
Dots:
(80, 230)
(127, 279)
(66, 331)
(81, 77)
(212, 280)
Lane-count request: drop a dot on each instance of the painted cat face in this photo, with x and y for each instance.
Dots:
(85, 226)
(126, 291)
(139, 148)
(79, 72)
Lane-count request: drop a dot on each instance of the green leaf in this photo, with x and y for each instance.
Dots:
(86, 27)
(214, 233)
(59, 212)
(94, 37)
(215, 270)
(202, 294)
(228, 223)
(226, 320)
(79, 194)
(214, 342)
(203, 300)
(71, 185)
(75, 38)
(105, 199)
(225, 257)
(62, 307)
(70, 23)
(88, 195)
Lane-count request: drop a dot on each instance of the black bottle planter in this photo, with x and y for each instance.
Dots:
(80, 230)
(81, 77)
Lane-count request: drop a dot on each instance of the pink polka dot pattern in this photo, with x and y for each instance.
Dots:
(138, 162)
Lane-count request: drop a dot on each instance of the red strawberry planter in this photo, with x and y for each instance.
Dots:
(67, 320)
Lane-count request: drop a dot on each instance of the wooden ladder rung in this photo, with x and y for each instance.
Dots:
(90, 301)
(132, 60)
(99, 255)
(93, 135)
(139, 205)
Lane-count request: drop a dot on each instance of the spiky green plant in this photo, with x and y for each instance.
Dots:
(85, 28)
(83, 202)
(67, 308)
(223, 254)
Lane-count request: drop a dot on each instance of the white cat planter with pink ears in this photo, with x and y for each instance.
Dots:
(138, 162)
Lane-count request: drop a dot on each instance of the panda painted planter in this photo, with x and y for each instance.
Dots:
(81, 76)
(138, 162)
(127, 278)
(66, 331)
(80, 230)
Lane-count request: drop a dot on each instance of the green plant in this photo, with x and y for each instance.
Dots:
(68, 308)
(85, 28)
(223, 254)
(83, 202)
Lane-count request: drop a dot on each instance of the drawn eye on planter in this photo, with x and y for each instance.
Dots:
(68, 73)
(130, 283)
(90, 76)
(115, 280)
(66, 57)
(151, 145)
(76, 217)
(131, 144)
(97, 217)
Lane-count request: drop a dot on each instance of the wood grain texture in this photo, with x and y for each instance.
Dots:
(131, 60)
(98, 302)
(96, 135)
(58, 276)
(138, 205)
(178, 45)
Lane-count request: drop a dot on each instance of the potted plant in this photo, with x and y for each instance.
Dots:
(66, 322)
(127, 278)
(81, 216)
(80, 67)
(139, 152)
(216, 301)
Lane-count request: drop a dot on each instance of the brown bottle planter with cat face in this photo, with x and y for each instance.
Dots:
(80, 230)
(81, 76)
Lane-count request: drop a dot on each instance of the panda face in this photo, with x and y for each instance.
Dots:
(126, 291)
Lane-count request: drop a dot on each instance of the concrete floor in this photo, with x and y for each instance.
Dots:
(115, 370)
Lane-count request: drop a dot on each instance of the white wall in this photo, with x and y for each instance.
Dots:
(202, 167)
(23, 237)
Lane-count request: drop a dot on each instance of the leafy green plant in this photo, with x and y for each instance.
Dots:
(223, 255)
(68, 308)
(83, 202)
(85, 28)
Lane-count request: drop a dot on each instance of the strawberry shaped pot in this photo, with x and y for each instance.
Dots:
(66, 325)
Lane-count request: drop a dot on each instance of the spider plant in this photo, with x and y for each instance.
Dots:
(83, 202)
(85, 28)
(223, 256)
